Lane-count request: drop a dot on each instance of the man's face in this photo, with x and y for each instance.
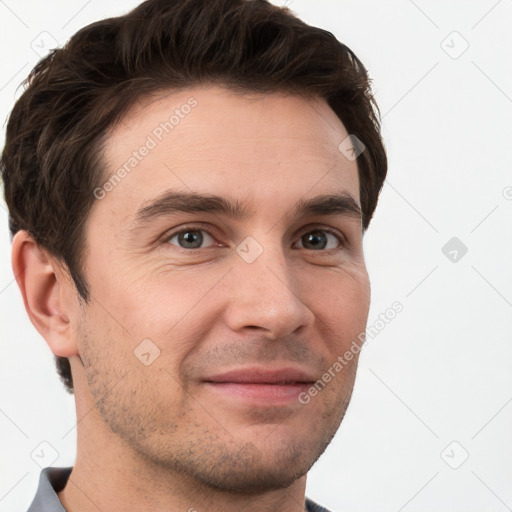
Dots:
(292, 297)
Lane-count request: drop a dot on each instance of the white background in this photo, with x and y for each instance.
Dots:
(441, 370)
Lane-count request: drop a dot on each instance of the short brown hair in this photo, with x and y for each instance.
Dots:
(51, 160)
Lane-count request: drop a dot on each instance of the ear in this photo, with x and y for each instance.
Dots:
(47, 293)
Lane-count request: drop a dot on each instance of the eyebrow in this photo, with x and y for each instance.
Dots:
(171, 202)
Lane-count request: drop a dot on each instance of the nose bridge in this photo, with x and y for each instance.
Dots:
(264, 289)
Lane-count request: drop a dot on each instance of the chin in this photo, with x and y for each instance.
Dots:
(253, 470)
(252, 480)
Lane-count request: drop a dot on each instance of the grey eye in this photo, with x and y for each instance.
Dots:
(319, 239)
(190, 238)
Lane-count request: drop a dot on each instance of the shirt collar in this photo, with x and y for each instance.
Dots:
(51, 481)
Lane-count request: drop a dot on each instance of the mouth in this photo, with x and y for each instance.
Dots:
(263, 386)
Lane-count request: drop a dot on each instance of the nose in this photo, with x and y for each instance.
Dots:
(265, 295)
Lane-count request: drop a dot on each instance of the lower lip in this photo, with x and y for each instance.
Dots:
(274, 394)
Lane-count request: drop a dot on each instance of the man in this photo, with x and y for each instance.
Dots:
(188, 186)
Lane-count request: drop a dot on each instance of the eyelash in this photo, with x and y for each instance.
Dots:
(170, 236)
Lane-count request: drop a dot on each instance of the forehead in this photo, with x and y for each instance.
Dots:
(252, 147)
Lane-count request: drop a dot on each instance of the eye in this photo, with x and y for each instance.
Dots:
(319, 239)
(191, 238)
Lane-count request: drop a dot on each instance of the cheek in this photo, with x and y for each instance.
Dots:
(133, 376)
(339, 295)
(157, 302)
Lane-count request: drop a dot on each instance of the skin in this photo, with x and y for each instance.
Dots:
(156, 437)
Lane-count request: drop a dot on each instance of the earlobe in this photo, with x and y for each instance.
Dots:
(44, 292)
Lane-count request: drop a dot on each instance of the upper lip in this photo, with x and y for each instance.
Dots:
(259, 375)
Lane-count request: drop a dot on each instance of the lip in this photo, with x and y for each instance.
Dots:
(259, 375)
(261, 386)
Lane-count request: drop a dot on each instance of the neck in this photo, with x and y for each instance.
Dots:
(106, 485)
